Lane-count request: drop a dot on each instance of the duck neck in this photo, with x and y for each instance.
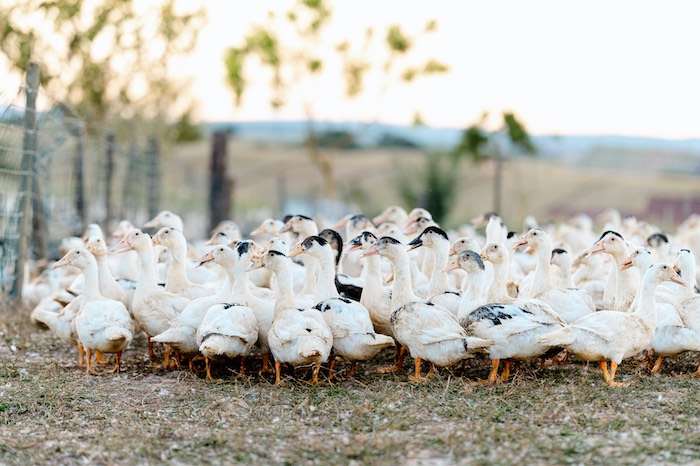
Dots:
(325, 286)
(91, 289)
(473, 296)
(402, 292)
(438, 279)
(498, 291)
(310, 275)
(372, 272)
(542, 280)
(241, 288)
(147, 276)
(285, 290)
(647, 302)
(177, 273)
(105, 277)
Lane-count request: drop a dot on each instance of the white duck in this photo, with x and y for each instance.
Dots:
(622, 284)
(228, 330)
(304, 227)
(440, 289)
(570, 304)
(613, 335)
(102, 324)
(428, 331)
(181, 334)
(176, 279)
(122, 290)
(671, 337)
(354, 338)
(298, 336)
(264, 309)
(394, 214)
(153, 308)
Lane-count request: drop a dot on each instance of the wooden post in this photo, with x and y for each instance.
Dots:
(153, 156)
(219, 185)
(80, 181)
(498, 179)
(109, 177)
(28, 171)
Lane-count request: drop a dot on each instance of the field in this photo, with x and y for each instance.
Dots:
(52, 412)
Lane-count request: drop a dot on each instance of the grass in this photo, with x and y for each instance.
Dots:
(52, 412)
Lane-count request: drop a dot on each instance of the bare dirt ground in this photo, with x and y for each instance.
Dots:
(51, 412)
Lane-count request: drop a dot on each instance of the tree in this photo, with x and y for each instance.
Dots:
(478, 144)
(107, 57)
(292, 48)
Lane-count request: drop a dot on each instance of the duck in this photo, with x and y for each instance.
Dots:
(622, 285)
(263, 308)
(267, 229)
(570, 304)
(304, 227)
(298, 336)
(121, 290)
(428, 331)
(440, 289)
(176, 279)
(354, 338)
(228, 330)
(349, 262)
(166, 218)
(611, 336)
(394, 214)
(513, 329)
(60, 321)
(153, 308)
(101, 324)
(181, 335)
(671, 337)
(348, 287)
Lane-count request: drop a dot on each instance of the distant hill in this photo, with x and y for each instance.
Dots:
(373, 135)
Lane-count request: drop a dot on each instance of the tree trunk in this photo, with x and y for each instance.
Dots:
(220, 186)
(322, 160)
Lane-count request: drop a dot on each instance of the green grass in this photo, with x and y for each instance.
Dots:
(52, 412)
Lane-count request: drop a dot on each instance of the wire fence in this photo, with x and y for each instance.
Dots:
(55, 177)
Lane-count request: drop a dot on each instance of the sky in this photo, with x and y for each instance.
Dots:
(595, 67)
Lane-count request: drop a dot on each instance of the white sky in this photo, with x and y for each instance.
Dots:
(603, 67)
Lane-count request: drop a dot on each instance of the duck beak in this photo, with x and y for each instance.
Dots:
(152, 223)
(257, 264)
(454, 265)
(352, 245)
(520, 244)
(415, 243)
(257, 231)
(208, 257)
(626, 264)
(484, 256)
(156, 240)
(296, 250)
(677, 279)
(381, 218)
(61, 262)
(122, 246)
(597, 248)
(371, 251)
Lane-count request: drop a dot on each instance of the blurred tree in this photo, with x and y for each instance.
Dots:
(184, 130)
(107, 58)
(291, 47)
(433, 186)
(478, 144)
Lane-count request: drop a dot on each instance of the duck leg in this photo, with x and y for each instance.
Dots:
(88, 362)
(331, 366)
(317, 369)
(278, 370)
(506, 370)
(208, 377)
(611, 382)
(100, 358)
(417, 377)
(242, 373)
(431, 371)
(604, 367)
(351, 374)
(398, 360)
(657, 366)
(493, 375)
(151, 354)
(117, 364)
(265, 363)
(81, 354)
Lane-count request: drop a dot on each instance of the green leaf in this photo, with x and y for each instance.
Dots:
(396, 40)
(314, 65)
(434, 66)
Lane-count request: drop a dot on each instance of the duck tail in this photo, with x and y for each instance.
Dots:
(118, 334)
(474, 344)
(561, 337)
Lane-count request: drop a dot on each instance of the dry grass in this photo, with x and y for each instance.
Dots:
(52, 412)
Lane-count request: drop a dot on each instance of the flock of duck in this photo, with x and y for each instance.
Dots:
(300, 295)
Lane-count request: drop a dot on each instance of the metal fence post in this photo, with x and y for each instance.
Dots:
(109, 177)
(28, 167)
